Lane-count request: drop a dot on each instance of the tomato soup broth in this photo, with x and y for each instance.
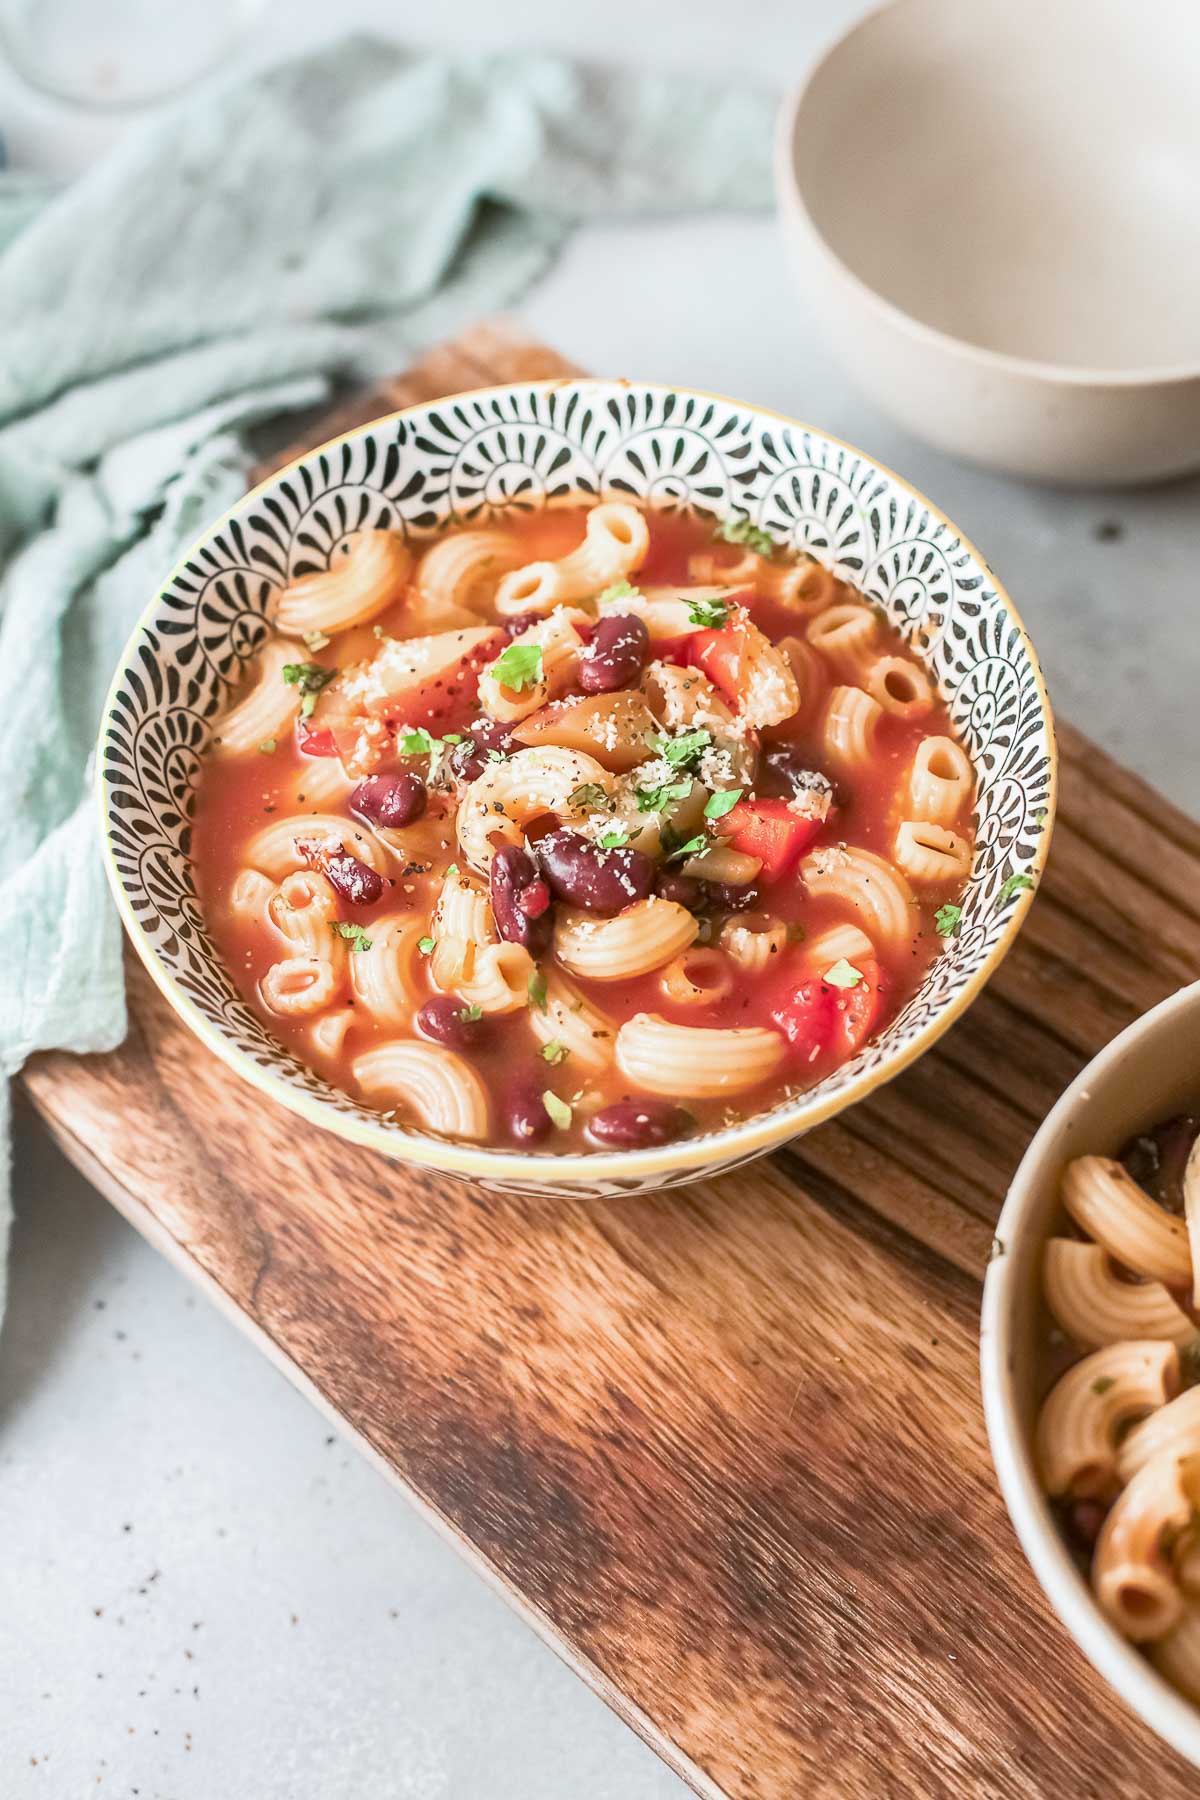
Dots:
(587, 830)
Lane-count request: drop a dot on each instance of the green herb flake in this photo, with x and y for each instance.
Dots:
(842, 975)
(947, 920)
(1102, 1384)
(1012, 886)
(589, 796)
(453, 869)
(355, 933)
(554, 1052)
(469, 1014)
(316, 640)
(796, 933)
(496, 756)
(619, 590)
(673, 850)
(559, 1111)
(680, 751)
(267, 747)
(520, 666)
(417, 742)
(710, 615)
(453, 737)
(537, 990)
(741, 531)
(425, 946)
(656, 799)
(717, 805)
(309, 677)
(613, 840)
(1039, 818)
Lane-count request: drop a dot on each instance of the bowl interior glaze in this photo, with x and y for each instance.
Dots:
(465, 460)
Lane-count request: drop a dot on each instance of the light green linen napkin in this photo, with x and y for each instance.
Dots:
(221, 266)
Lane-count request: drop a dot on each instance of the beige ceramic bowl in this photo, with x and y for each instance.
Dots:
(992, 207)
(1151, 1070)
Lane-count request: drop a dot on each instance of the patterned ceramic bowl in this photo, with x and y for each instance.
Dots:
(535, 444)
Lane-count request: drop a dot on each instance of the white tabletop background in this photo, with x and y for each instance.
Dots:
(205, 1594)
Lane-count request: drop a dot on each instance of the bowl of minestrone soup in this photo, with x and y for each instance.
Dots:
(1090, 1360)
(578, 784)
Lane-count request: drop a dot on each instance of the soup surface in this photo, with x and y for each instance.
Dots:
(1118, 1436)
(589, 829)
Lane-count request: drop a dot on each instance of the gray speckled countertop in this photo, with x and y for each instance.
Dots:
(205, 1594)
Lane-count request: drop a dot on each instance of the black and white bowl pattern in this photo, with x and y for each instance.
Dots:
(469, 459)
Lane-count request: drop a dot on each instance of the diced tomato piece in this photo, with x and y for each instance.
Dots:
(805, 1017)
(770, 830)
(856, 1009)
(316, 743)
(719, 654)
(818, 1018)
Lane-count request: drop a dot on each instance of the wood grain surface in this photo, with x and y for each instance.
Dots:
(724, 1447)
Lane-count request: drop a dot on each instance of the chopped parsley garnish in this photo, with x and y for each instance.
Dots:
(267, 747)
(520, 666)
(680, 751)
(710, 615)
(796, 933)
(1039, 818)
(310, 678)
(425, 946)
(453, 869)
(612, 840)
(1013, 885)
(589, 796)
(947, 919)
(741, 531)
(554, 1052)
(469, 1014)
(558, 1110)
(717, 805)
(619, 590)
(316, 640)
(842, 975)
(417, 742)
(357, 936)
(453, 737)
(537, 990)
(673, 848)
(496, 756)
(1102, 1384)
(655, 799)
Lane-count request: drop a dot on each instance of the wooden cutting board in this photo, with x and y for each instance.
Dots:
(723, 1448)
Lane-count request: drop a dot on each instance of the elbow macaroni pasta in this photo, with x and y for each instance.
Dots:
(614, 545)
(940, 781)
(1095, 1307)
(638, 940)
(929, 854)
(437, 1085)
(268, 711)
(875, 892)
(1087, 1408)
(353, 590)
(1105, 1202)
(696, 1061)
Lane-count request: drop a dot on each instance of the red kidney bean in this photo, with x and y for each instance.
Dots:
(685, 890)
(728, 897)
(470, 758)
(519, 623)
(389, 800)
(637, 1124)
(616, 655)
(521, 900)
(446, 1019)
(598, 881)
(526, 1115)
(346, 873)
(792, 773)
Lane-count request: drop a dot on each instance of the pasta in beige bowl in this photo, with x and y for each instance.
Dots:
(1149, 1072)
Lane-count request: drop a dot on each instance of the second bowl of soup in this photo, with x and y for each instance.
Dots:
(577, 784)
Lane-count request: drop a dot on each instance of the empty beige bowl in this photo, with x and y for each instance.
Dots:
(1147, 1073)
(993, 209)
